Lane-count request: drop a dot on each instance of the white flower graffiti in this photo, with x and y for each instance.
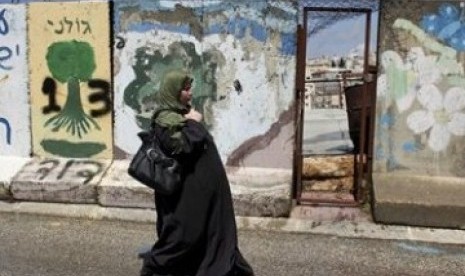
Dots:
(402, 80)
(442, 115)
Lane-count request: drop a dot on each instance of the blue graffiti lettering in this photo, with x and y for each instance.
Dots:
(4, 28)
(5, 54)
(8, 129)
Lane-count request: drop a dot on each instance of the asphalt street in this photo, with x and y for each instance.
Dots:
(55, 246)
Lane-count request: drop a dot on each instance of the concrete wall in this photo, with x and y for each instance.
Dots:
(420, 124)
(80, 77)
(242, 56)
(14, 101)
(70, 73)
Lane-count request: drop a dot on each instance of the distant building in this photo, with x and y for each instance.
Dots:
(324, 77)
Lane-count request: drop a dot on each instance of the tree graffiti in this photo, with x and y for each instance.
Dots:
(72, 62)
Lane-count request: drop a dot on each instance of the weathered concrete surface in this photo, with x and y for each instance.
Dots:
(59, 180)
(119, 189)
(419, 200)
(255, 191)
(261, 192)
(325, 213)
(9, 167)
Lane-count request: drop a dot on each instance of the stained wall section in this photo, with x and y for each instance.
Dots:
(242, 56)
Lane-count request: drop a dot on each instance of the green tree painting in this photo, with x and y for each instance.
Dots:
(72, 62)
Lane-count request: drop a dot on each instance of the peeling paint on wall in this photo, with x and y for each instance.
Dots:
(241, 54)
(14, 107)
(70, 79)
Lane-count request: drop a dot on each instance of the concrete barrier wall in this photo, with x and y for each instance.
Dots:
(242, 56)
(79, 77)
(421, 94)
(61, 60)
(419, 151)
(70, 75)
(15, 129)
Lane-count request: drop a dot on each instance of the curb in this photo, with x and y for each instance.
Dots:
(343, 228)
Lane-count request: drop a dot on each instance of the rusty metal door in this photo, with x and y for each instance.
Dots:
(359, 106)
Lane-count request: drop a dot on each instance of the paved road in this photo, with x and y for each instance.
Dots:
(35, 245)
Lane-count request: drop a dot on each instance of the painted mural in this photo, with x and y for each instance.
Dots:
(14, 107)
(421, 88)
(241, 54)
(70, 74)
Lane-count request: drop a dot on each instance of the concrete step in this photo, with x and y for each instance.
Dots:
(421, 200)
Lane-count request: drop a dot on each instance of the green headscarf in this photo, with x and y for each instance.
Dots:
(167, 99)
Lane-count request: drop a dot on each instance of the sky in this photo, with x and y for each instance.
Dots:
(341, 37)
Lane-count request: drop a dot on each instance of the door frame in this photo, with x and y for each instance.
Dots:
(362, 160)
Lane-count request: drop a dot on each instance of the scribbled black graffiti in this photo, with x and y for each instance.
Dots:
(121, 42)
(50, 165)
(70, 23)
(49, 88)
(89, 174)
(103, 95)
(44, 171)
(8, 130)
(66, 167)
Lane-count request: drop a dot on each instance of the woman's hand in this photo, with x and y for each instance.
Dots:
(194, 115)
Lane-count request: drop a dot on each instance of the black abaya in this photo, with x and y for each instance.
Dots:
(196, 227)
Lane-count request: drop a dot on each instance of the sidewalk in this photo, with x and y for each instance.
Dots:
(102, 189)
(353, 226)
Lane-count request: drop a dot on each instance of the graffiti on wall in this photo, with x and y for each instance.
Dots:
(14, 108)
(52, 170)
(150, 67)
(70, 79)
(66, 25)
(241, 56)
(421, 92)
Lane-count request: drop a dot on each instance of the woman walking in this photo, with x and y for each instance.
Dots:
(196, 226)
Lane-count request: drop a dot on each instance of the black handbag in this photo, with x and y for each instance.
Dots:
(152, 167)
